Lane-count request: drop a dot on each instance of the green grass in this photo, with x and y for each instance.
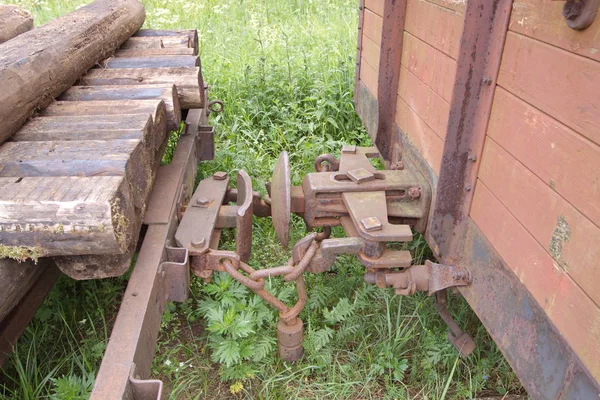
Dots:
(285, 71)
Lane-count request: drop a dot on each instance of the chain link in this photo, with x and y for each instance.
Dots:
(255, 281)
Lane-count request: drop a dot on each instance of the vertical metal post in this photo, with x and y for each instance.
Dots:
(482, 43)
(394, 13)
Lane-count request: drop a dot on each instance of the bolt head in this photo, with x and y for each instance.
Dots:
(202, 201)
(371, 224)
(414, 192)
(220, 176)
(198, 242)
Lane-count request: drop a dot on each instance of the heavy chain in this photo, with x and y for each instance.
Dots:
(255, 279)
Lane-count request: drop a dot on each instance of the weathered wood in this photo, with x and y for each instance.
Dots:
(440, 27)
(157, 42)
(372, 27)
(13, 22)
(167, 93)
(455, 5)
(16, 278)
(430, 145)
(434, 68)
(129, 158)
(151, 62)
(370, 52)
(572, 312)
(191, 33)
(568, 236)
(104, 107)
(573, 101)
(188, 81)
(376, 6)
(67, 215)
(368, 75)
(28, 63)
(167, 51)
(566, 161)
(543, 20)
(430, 107)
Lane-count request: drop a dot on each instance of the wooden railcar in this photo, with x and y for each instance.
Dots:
(496, 103)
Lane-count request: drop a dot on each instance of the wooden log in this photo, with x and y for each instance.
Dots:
(13, 22)
(157, 42)
(43, 216)
(15, 279)
(151, 62)
(188, 81)
(167, 51)
(28, 63)
(167, 93)
(192, 34)
(104, 107)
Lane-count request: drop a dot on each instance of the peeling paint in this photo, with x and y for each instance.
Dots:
(560, 236)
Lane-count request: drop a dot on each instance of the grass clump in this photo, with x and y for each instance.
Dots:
(285, 71)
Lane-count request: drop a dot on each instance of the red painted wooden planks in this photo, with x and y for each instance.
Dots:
(420, 134)
(563, 159)
(543, 20)
(573, 313)
(376, 6)
(372, 26)
(370, 52)
(368, 76)
(567, 235)
(424, 101)
(455, 5)
(438, 26)
(561, 84)
(434, 68)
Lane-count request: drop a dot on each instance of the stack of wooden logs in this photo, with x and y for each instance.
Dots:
(76, 178)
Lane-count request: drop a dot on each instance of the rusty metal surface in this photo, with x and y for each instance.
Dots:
(361, 12)
(482, 43)
(243, 221)
(580, 14)
(324, 192)
(128, 356)
(541, 358)
(199, 220)
(394, 12)
(368, 211)
(281, 206)
(16, 322)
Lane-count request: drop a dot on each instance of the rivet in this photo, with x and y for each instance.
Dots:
(202, 202)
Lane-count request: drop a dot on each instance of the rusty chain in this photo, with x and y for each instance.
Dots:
(255, 279)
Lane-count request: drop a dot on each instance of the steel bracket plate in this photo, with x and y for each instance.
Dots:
(200, 218)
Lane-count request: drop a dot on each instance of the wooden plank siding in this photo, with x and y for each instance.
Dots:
(434, 68)
(543, 20)
(572, 312)
(438, 26)
(376, 6)
(537, 198)
(370, 52)
(557, 82)
(430, 47)
(370, 44)
(567, 235)
(566, 161)
(430, 145)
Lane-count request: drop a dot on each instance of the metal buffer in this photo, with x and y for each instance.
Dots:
(375, 208)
